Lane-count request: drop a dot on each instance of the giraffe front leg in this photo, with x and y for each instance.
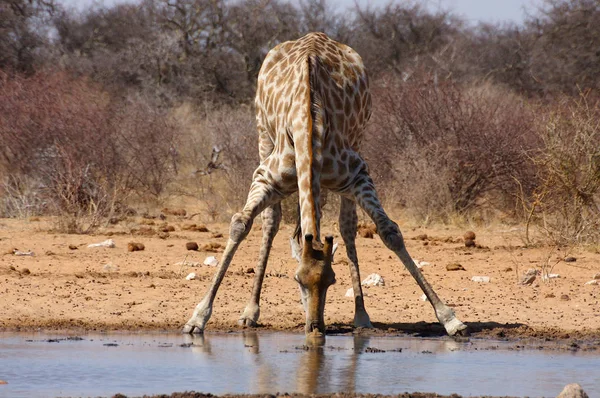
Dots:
(348, 221)
(271, 218)
(261, 195)
(366, 196)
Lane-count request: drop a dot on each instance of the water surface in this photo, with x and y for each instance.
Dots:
(42, 365)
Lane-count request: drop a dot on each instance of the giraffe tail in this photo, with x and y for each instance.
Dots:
(308, 139)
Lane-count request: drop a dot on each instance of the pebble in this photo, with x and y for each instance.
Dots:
(570, 260)
(107, 243)
(592, 282)
(191, 276)
(191, 246)
(573, 390)
(211, 261)
(373, 280)
(349, 293)
(481, 279)
(455, 267)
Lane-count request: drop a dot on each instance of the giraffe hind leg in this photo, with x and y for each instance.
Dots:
(271, 218)
(366, 196)
(348, 222)
(260, 196)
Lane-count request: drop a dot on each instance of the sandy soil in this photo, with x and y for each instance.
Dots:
(67, 285)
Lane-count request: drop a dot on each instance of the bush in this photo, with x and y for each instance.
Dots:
(568, 164)
(448, 148)
(65, 143)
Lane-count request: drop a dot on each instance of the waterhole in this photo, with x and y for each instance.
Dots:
(42, 365)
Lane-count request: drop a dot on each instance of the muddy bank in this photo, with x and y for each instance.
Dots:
(66, 285)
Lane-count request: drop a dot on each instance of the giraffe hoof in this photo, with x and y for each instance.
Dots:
(247, 322)
(191, 329)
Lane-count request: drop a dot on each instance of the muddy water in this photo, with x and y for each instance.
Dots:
(36, 365)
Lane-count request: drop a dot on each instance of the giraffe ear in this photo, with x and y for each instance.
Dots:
(296, 249)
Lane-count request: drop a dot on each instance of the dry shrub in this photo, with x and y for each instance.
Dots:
(66, 144)
(444, 148)
(567, 199)
(232, 131)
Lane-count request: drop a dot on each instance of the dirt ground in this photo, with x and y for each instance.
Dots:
(67, 285)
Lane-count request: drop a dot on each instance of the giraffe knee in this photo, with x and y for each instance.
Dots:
(391, 236)
(240, 226)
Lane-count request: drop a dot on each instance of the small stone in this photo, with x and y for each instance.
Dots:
(469, 235)
(107, 243)
(455, 267)
(250, 270)
(349, 293)
(212, 247)
(573, 390)
(570, 259)
(507, 269)
(481, 279)
(565, 297)
(597, 276)
(470, 243)
(25, 271)
(592, 282)
(373, 280)
(211, 261)
(135, 246)
(191, 246)
(201, 228)
(424, 297)
(528, 279)
(167, 228)
(73, 247)
(191, 276)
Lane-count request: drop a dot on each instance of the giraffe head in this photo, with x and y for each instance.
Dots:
(314, 276)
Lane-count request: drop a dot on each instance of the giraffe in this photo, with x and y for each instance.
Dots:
(312, 105)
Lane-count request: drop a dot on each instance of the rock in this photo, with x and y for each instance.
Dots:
(191, 246)
(250, 270)
(570, 260)
(212, 247)
(201, 228)
(110, 267)
(550, 276)
(573, 390)
(373, 280)
(481, 279)
(21, 253)
(367, 230)
(592, 282)
(565, 297)
(107, 243)
(190, 276)
(187, 263)
(470, 243)
(528, 279)
(454, 267)
(73, 247)
(211, 261)
(167, 228)
(25, 271)
(469, 235)
(421, 264)
(424, 297)
(597, 276)
(349, 293)
(135, 247)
